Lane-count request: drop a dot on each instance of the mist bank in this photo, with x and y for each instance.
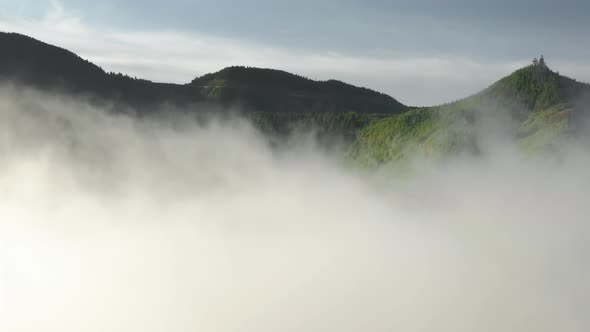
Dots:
(111, 222)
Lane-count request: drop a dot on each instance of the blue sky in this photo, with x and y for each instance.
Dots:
(420, 51)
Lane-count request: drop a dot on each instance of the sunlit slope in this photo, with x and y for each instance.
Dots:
(534, 107)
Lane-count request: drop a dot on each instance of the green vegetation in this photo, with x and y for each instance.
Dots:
(536, 87)
(326, 126)
(429, 132)
(543, 129)
(534, 107)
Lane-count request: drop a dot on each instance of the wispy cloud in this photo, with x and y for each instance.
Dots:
(176, 56)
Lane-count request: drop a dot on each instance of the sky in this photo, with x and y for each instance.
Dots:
(421, 52)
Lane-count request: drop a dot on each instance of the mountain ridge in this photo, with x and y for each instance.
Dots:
(539, 108)
(544, 106)
(265, 89)
(45, 66)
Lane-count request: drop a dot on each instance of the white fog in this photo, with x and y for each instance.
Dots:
(111, 223)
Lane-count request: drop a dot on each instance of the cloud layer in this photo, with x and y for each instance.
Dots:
(109, 223)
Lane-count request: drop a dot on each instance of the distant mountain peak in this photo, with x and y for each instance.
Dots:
(245, 75)
(536, 86)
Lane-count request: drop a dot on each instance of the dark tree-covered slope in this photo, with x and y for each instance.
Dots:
(31, 62)
(40, 65)
(278, 91)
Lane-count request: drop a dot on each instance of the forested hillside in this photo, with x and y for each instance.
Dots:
(40, 65)
(535, 107)
(272, 90)
(27, 61)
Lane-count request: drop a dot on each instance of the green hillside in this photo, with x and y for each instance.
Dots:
(534, 106)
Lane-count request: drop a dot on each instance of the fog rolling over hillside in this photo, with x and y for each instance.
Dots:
(112, 223)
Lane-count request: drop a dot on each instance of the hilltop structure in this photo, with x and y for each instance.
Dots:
(540, 62)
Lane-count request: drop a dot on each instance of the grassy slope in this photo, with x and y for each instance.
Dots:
(539, 104)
